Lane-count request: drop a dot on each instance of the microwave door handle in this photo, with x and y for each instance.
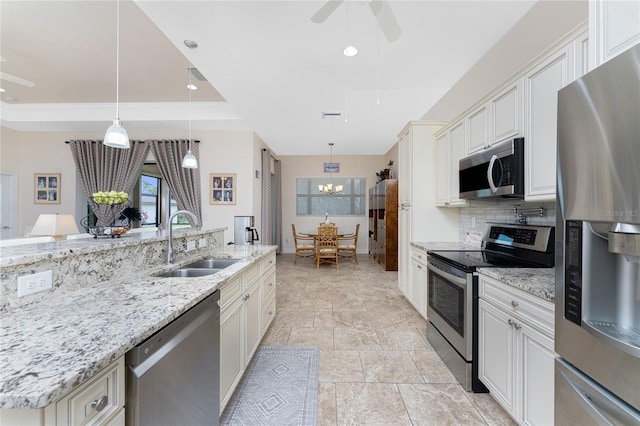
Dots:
(492, 185)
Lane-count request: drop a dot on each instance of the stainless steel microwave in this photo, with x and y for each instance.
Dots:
(495, 172)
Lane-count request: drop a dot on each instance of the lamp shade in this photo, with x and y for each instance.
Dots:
(190, 161)
(55, 225)
(116, 136)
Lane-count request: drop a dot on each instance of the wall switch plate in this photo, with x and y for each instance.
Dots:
(202, 242)
(191, 245)
(34, 283)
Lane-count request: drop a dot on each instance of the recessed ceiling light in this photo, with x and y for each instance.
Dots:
(192, 87)
(10, 99)
(2, 90)
(350, 51)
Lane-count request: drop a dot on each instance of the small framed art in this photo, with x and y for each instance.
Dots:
(222, 188)
(332, 167)
(46, 188)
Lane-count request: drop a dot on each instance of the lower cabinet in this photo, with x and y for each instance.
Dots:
(100, 401)
(247, 307)
(516, 351)
(417, 291)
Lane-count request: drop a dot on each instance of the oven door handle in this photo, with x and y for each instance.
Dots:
(460, 282)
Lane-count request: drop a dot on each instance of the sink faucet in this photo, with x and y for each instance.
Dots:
(170, 235)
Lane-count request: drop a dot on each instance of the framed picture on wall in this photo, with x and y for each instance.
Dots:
(46, 188)
(222, 188)
(332, 167)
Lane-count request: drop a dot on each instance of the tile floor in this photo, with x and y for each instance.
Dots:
(376, 366)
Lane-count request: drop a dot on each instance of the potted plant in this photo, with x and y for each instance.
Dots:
(385, 173)
(131, 214)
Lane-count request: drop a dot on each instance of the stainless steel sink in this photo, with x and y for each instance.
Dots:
(187, 272)
(213, 263)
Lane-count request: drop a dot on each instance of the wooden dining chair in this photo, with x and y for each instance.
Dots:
(304, 244)
(348, 245)
(327, 245)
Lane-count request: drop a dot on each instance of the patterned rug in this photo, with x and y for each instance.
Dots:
(280, 387)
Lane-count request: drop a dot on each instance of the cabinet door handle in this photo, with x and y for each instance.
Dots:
(510, 322)
(517, 326)
(270, 284)
(514, 304)
(419, 266)
(270, 312)
(100, 403)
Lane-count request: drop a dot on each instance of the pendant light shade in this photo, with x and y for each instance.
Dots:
(190, 161)
(116, 135)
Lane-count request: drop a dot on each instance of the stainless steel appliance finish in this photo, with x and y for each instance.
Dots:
(598, 140)
(495, 172)
(240, 226)
(598, 268)
(453, 291)
(173, 377)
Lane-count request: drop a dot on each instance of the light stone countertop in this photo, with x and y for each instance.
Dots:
(444, 246)
(540, 282)
(50, 347)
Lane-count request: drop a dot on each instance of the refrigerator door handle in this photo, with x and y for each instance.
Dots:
(587, 402)
(599, 404)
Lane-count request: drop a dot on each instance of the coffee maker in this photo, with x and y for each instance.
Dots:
(244, 231)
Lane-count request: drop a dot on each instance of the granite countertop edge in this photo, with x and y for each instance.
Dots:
(52, 346)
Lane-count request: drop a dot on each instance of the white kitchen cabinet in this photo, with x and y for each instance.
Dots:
(541, 108)
(404, 250)
(516, 351)
(232, 346)
(581, 55)
(418, 288)
(98, 402)
(478, 132)
(243, 304)
(614, 26)
(506, 112)
(450, 148)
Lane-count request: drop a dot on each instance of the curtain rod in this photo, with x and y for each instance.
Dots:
(135, 140)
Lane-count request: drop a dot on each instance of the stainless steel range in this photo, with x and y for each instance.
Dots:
(452, 328)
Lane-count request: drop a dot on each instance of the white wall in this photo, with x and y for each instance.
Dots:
(26, 153)
(299, 166)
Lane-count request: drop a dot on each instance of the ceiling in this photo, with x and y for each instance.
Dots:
(271, 69)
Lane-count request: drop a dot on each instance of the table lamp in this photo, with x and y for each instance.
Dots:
(55, 225)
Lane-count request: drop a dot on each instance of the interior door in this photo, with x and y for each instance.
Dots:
(8, 206)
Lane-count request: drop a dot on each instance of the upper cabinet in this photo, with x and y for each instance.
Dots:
(506, 112)
(524, 106)
(614, 26)
(542, 84)
(478, 129)
(450, 149)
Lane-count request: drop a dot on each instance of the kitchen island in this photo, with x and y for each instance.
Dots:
(56, 343)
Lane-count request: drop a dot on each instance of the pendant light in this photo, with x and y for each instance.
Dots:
(190, 161)
(329, 188)
(116, 135)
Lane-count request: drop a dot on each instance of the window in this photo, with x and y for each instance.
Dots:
(310, 201)
(149, 200)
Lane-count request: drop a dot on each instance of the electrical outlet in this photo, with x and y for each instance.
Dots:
(34, 283)
(202, 242)
(191, 245)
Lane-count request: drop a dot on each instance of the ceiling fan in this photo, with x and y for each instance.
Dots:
(381, 10)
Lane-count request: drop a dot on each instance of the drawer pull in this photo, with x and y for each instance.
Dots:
(100, 403)
(517, 326)
(514, 304)
(246, 297)
(270, 284)
(510, 322)
(270, 312)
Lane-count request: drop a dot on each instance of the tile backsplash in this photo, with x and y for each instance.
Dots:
(501, 211)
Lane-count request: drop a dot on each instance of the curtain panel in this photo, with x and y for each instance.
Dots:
(102, 168)
(271, 200)
(183, 183)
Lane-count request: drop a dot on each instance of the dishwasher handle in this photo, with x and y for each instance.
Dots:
(144, 356)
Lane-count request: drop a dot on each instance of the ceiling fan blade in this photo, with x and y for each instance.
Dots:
(17, 80)
(327, 9)
(386, 21)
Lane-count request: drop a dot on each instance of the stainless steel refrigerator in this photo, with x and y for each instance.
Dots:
(597, 378)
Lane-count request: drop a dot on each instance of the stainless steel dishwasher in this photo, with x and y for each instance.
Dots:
(173, 377)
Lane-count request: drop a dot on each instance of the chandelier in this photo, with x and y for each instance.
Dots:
(330, 188)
